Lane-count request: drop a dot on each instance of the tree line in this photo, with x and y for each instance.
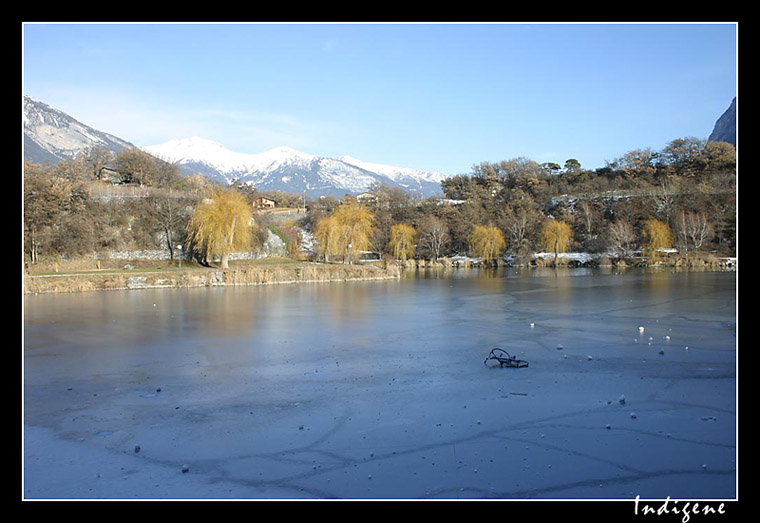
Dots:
(682, 197)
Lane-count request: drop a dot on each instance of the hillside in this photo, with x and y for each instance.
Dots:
(51, 135)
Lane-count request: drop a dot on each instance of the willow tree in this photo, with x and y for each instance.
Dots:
(326, 236)
(556, 236)
(346, 232)
(657, 236)
(403, 240)
(487, 242)
(221, 224)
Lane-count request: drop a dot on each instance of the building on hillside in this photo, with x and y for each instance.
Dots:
(367, 197)
(264, 203)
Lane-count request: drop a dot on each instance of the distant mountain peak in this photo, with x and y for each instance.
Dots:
(290, 170)
(392, 171)
(196, 150)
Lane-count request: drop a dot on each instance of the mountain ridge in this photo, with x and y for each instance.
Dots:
(289, 170)
(51, 136)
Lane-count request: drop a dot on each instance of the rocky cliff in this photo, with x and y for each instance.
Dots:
(725, 127)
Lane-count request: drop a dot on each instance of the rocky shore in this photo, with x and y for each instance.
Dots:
(582, 259)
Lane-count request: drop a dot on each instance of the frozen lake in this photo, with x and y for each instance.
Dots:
(378, 390)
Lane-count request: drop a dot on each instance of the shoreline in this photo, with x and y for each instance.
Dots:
(212, 277)
(311, 272)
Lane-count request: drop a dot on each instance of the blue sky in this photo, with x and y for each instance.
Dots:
(441, 97)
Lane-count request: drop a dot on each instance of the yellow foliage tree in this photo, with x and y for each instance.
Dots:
(556, 236)
(657, 236)
(326, 236)
(487, 242)
(221, 224)
(346, 232)
(403, 241)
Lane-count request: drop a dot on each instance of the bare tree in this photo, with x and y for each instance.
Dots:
(588, 219)
(621, 236)
(171, 215)
(663, 199)
(517, 227)
(693, 230)
(136, 166)
(433, 236)
(98, 159)
(72, 169)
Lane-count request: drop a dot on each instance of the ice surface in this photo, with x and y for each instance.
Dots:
(377, 390)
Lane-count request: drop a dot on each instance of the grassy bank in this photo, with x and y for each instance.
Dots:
(87, 275)
(81, 277)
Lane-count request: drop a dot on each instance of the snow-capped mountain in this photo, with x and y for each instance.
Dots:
(413, 180)
(51, 135)
(288, 170)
